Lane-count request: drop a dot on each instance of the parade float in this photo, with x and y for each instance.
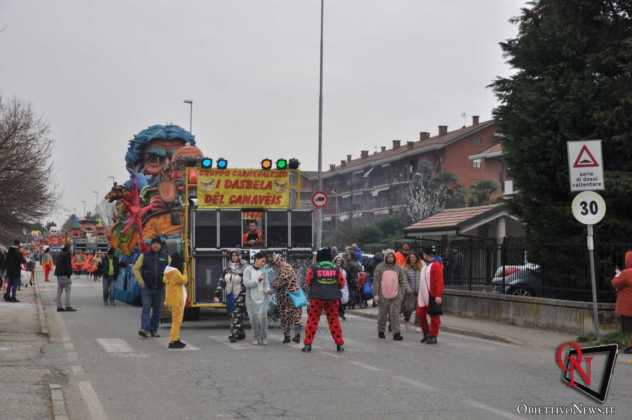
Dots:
(199, 207)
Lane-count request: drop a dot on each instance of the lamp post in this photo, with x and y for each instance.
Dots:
(190, 102)
(96, 199)
(319, 232)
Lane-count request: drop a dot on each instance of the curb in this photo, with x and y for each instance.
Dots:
(41, 315)
(452, 330)
(58, 402)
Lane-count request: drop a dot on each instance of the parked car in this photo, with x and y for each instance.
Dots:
(518, 280)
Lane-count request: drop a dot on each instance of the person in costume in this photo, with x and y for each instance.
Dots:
(324, 281)
(175, 298)
(390, 286)
(234, 285)
(286, 281)
(431, 286)
(257, 298)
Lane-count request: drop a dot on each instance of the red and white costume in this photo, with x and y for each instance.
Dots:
(431, 283)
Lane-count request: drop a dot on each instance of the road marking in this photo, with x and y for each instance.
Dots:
(235, 346)
(92, 401)
(326, 353)
(415, 383)
(367, 367)
(77, 369)
(496, 411)
(114, 345)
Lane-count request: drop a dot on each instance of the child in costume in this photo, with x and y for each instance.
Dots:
(175, 298)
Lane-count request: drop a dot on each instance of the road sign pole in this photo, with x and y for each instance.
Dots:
(593, 279)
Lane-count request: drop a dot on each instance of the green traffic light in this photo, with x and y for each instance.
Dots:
(281, 164)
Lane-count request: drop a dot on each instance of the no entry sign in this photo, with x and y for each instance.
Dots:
(320, 199)
(585, 165)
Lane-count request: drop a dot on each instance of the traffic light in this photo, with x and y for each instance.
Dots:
(294, 164)
(281, 164)
(266, 164)
(222, 163)
(207, 163)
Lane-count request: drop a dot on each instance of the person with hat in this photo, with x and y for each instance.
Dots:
(234, 285)
(431, 287)
(324, 281)
(286, 281)
(390, 286)
(148, 270)
(175, 298)
(257, 298)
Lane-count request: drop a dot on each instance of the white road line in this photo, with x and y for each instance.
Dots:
(415, 383)
(114, 345)
(496, 411)
(92, 401)
(77, 369)
(367, 367)
(325, 353)
(235, 346)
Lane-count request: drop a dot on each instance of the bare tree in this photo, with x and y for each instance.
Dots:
(429, 191)
(27, 194)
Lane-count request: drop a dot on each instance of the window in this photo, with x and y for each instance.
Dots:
(277, 229)
(230, 229)
(476, 140)
(476, 163)
(301, 229)
(205, 229)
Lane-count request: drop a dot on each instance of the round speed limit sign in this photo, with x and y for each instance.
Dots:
(589, 207)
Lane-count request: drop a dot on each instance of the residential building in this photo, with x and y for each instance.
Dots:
(377, 184)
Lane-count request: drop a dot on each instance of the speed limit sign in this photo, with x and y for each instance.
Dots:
(589, 207)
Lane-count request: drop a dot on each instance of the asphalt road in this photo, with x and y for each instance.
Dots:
(111, 373)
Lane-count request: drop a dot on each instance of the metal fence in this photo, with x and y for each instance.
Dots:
(559, 271)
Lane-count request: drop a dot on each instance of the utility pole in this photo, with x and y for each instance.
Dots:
(319, 232)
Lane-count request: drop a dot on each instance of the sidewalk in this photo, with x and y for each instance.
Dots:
(24, 390)
(490, 330)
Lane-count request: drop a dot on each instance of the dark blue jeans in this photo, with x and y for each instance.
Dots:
(152, 306)
(12, 286)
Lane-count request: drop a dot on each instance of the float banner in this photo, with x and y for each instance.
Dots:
(243, 188)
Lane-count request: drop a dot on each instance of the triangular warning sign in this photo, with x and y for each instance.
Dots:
(585, 159)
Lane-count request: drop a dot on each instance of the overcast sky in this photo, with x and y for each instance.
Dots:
(100, 71)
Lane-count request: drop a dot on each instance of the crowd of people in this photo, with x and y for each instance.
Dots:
(402, 284)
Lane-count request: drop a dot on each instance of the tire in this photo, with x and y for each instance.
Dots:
(191, 314)
(522, 291)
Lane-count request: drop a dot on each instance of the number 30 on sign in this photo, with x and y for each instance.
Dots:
(589, 208)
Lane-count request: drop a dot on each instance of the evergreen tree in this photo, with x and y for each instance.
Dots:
(572, 81)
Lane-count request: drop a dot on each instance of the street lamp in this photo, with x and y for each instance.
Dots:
(319, 232)
(190, 102)
(96, 199)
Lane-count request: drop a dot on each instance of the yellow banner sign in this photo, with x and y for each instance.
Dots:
(243, 188)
